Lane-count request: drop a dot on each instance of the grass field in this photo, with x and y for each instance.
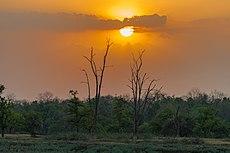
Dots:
(41, 144)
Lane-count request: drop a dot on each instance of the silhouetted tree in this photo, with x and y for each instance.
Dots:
(45, 97)
(2, 87)
(142, 88)
(98, 73)
(79, 113)
(89, 100)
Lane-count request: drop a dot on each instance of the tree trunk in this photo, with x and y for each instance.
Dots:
(10, 130)
(178, 130)
(177, 122)
(99, 76)
(135, 128)
(3, 130)
(135, 131)
(140, 94)
(94, 127)
(77, 128)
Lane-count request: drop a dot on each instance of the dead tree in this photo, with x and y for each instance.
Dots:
(142, 88)
(87, 82)
(98, 73)
(88, 87)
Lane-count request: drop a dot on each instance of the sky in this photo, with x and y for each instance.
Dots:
(42, 44)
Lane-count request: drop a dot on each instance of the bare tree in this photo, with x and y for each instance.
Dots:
(2, 87)
(87, 82)
(216, 96)
(98, 73)
(44, 100)
(73, 93)
(142, 89)
(197, 96)
(45, 97)
(194, 93)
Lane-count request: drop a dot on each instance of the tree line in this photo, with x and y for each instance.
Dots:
(194, 115)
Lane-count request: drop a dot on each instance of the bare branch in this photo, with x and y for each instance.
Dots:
(98, 72)
(139, 93)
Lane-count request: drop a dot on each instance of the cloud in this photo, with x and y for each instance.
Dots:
(148, 21)
(65, 22)
(206, 21)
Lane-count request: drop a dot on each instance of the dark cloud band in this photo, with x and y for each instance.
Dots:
(72, 22)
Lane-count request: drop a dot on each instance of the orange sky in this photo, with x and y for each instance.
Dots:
(178, 9)
(39, 52)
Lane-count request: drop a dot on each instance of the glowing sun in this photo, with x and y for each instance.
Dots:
(127, 31)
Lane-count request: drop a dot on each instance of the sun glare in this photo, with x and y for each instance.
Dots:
(126, 31)
(124, 10)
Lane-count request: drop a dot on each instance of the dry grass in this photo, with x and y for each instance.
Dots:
(22, 136)
(216, 141)
(160, 140)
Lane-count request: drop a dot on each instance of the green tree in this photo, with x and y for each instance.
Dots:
(5, 111)
(224, 109)
(162, 123)
(44, 107)
(53, 114)
(33, 122)
(79, 113)
(16, 122)
(208, 124)
(121, 116)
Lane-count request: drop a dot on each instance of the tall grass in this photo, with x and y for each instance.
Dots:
(80, 143)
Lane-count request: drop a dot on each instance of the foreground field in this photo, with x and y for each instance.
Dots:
(25, 144)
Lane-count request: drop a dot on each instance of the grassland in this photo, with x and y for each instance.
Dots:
(41, 144)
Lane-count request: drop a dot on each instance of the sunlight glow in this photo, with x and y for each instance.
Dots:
(124, 11)
(126, 31)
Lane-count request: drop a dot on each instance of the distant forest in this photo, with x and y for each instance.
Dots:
(195, 115)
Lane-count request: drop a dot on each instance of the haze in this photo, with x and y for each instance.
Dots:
(42, 44)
